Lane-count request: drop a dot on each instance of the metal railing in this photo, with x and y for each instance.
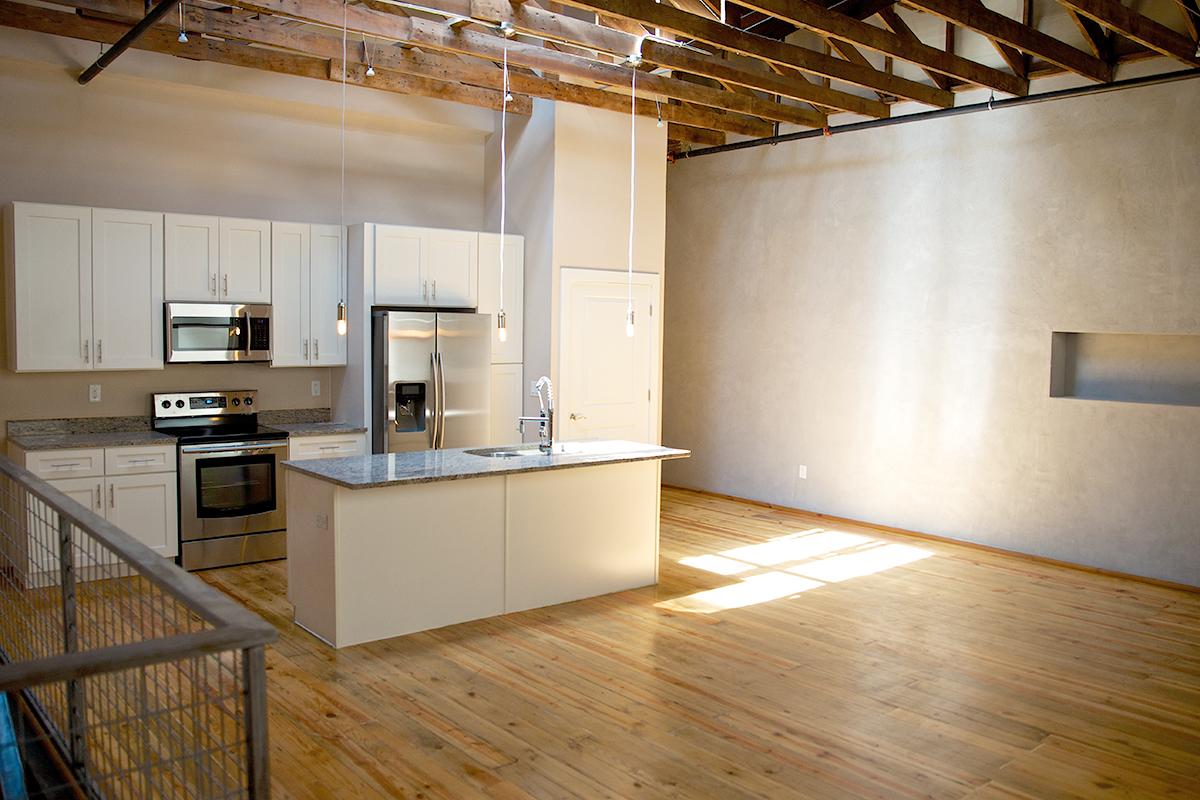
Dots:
(145, 682)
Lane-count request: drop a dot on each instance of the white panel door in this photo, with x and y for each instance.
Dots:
(127, 289)
(145, 507)
(290, 292)
(399, 279)
(50, 278)
(245, 260)
(451, 267)
(192, 258)
(507, 397)
(326, 289)
(607, 380)
(511, 351)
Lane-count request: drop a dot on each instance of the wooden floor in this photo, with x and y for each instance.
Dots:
(829, 661)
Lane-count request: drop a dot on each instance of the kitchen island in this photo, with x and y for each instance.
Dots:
(386, 545)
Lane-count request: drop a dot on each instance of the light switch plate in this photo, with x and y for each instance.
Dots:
(802, 472)
(94, 393)
(316, 388)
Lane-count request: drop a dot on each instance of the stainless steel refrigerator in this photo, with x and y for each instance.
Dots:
(431, 380)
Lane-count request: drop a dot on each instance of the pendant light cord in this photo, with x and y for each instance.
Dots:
(632, 180)
(503, 172)
(342, 187)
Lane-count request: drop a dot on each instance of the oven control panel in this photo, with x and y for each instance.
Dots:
(205, 404)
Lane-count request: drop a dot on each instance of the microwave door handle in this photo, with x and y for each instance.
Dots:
(246, 348)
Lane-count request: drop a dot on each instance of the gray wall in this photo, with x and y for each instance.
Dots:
(878, 307)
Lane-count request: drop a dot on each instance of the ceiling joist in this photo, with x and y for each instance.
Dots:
(1139, 28)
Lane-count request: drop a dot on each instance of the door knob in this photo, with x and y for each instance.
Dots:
(578, 416)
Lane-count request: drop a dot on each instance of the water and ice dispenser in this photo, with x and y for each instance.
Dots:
(410, 407)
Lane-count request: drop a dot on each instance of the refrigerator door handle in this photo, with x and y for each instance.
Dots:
(441, 370)
(436, 400)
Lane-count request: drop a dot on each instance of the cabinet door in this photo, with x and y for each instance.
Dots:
(451, 267)
(49, 275)
(245, 260)
(88, 492)
(510, 351)
(290, 244)
(325, 290)
(399, 276)
(192, 259)
(127, 289)
(507, 398)
(44, 552)
(145, 507)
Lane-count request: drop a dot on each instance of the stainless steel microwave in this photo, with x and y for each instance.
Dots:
(217, 332)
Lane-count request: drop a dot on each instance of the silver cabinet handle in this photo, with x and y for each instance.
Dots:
(99, 351)
(142, 460)
(317, 349)
(86, 359)
(212, 284)
(306, 348)
(435, 290)
(99, 497)
(65, 464)
(225, 285)
(425, 291)
(112, 497)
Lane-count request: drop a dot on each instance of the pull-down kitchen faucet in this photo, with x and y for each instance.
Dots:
(545, 420)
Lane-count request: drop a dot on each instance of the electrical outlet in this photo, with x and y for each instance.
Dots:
(316, 388)
(802, 472)
(94, 393)
(533, 389)
(322, 521)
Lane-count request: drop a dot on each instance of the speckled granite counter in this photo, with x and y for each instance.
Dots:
(76, 441)
(428, 466)
(317, 428)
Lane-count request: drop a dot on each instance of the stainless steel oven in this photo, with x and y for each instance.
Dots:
(217, 332)
(232, 505)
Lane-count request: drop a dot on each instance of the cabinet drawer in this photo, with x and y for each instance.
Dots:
(55, 464)
(138, 460)
(301, 448)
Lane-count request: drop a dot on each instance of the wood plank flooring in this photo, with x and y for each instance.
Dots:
(785, 657)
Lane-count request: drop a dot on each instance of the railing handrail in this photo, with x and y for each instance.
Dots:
(234, 626)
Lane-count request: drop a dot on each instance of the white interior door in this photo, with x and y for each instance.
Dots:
(289, 291)
(608, 382)
(127, 289)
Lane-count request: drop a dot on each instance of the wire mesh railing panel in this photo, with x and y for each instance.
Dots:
(143, 688)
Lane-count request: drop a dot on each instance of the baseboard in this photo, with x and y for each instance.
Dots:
(1111, 573)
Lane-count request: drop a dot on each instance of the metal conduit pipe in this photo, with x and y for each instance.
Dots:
(1010, 102)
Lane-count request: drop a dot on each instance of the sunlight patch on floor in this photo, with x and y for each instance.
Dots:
(787, 566)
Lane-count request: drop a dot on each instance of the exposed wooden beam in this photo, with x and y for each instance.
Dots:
(973, 15)
(1095, 35)
(852, 54)
(529, 18)
(1191, 17)
(163, 40)
(860, 9)
(714, 33)
(1138, 27)
(898, 26)
(278, 32)
(438, 36)
(700, 136)
(814, 17)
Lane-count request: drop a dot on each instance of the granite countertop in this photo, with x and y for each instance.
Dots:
(317, 428)
(76, 441)
(428, 466)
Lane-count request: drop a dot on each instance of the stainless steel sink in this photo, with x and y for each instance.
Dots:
(560, 449)
(505, 452)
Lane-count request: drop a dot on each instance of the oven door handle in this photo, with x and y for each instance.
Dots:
(233, 448)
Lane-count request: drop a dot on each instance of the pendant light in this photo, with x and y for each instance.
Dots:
(506, 97)
(341, 305)
(182, 33)
(634, 60)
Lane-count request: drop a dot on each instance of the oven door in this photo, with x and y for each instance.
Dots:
(217, 332)
(231, 489)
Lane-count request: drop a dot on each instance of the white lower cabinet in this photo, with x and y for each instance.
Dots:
(135, 488)
(338, 445)
(507, 400)
(147, 508)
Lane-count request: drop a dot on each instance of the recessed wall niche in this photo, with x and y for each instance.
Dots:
(1126, 367)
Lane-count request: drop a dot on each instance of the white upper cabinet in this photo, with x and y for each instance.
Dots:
(127, 289)
(399, 266)
(452, 268)
(507, 352)
(245, 260)
(289, 290)
(192, 258)
(326, 289)
(307, 269)
(48, 264)
(426, 267)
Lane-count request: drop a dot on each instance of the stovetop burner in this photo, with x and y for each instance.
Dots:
(199, 417)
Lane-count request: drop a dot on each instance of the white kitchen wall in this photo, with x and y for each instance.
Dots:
(159, 133)
(877, 307)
